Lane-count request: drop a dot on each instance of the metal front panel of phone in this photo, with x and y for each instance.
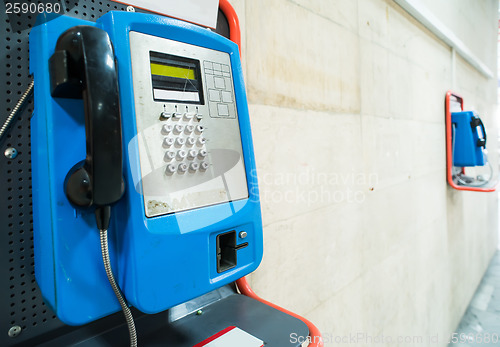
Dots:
(199, 128)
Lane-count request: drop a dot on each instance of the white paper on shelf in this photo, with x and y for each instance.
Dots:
(202, 12)
(231, 337)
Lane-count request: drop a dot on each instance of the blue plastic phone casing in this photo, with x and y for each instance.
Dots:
(159, 262)
(466, 151)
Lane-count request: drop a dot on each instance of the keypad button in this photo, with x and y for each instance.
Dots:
(227, 97)
(225, 68)
(213, 95)
(170, 169)
(177, 115)
(189, 115)
(223, 110)
(228, 84)
(189, 129)
(165, 115)
(204, 166)
(212, 106)
(194, 167)
(199, 117)
(219, 83)
(190, 141)
(199, 129)
(210, 82)
(232, 110)
(178, 129)
(202, 141)
(202, 153)
(179, 141)
(182, 167)
(167, 128)
(181, 154)
(169, 155)
(168, 141)
(192, 154)
(217, 67)
(208, 64)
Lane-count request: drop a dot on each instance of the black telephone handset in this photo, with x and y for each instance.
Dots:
(476, 122)
(482, 142)
(83, 66)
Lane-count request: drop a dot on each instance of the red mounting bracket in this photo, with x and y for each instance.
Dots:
(453, 101)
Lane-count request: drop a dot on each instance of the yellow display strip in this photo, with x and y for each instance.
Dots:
(172, 71)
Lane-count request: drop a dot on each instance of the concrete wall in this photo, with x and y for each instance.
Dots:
(362, 233)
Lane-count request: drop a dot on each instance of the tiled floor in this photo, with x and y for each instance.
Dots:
(482, 318)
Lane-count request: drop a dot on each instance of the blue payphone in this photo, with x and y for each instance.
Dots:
(469, 139)
(468, 150)
(141, 130)
(466, 153)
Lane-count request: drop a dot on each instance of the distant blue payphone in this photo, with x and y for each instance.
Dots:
(469, 139)
(141, 125)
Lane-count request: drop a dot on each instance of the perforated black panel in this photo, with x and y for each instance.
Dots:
(21, 303)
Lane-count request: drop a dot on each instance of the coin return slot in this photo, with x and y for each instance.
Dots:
(226, 251)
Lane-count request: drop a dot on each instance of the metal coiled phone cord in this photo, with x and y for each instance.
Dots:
(19, 105)
(111, 278)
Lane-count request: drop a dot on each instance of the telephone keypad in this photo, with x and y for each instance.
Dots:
(184, 141)
(167, 186)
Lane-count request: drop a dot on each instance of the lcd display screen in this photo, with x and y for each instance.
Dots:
(176, 79)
